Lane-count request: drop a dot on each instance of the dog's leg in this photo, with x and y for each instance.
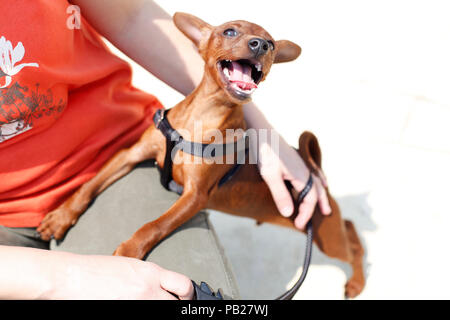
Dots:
(356, 283)
(337, 238)
(57, 222)
(143, 240)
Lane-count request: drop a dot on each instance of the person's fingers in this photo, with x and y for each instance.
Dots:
(297, 184)
(177, 284)
(324, 204)
(322, 177)
(306, 209)
(317, 195)
(280, 194)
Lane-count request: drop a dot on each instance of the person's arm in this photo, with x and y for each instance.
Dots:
(28, 273)
(146, 33)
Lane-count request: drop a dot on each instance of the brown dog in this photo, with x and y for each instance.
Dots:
(238, 55)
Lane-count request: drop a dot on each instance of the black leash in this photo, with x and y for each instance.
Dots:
(288, 295)
(175, 140)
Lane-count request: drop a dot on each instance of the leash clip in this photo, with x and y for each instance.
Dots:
(204, 292)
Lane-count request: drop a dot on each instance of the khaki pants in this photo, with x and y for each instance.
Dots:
(138, 198)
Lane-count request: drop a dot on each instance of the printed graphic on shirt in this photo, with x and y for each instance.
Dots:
(9, 58)
(19, 105)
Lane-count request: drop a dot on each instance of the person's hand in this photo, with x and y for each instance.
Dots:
(28, 273)
(108, 277)
(285, 164)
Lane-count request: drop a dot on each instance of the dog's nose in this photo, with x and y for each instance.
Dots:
(258, 46)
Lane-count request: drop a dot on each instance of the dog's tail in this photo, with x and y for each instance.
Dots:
(309, 150)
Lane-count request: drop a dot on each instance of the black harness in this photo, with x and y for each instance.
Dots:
(176, 142)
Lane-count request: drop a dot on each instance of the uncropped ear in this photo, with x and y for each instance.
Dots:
(194, 28)
(287, 51)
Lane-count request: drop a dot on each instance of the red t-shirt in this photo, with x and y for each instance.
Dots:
(66, 106)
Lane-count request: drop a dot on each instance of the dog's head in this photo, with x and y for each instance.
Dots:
(238, 54)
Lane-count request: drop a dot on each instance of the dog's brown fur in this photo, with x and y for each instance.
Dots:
(246, 194)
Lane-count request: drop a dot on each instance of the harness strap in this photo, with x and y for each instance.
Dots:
(175, 141)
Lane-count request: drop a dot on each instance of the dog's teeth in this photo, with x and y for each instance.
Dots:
(226, 72)
(258, 67)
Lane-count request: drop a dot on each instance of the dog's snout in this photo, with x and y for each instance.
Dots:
(258, 46)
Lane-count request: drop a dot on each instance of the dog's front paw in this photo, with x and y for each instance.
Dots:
(129, 249)
(56, 223)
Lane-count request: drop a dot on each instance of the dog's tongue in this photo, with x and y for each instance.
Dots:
(241, 74)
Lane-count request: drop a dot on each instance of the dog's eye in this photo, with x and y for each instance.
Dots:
(271, 44)
(230, 33)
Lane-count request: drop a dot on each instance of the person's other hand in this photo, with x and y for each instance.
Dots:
(276, 167)
(108, 277)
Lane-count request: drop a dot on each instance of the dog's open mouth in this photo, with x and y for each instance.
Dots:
(241, 76)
